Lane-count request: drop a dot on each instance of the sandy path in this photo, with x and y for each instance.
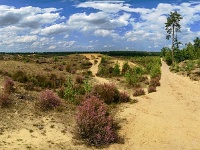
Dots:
(165, 120)
(94, 68)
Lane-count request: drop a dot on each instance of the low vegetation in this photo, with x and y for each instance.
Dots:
(139, 92)
(55, 84)
(95, 123)
(49, 100)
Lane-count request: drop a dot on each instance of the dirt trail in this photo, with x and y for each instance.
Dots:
(94, 68)
(165, 120)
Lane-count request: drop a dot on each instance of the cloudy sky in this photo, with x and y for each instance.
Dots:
(75, 25)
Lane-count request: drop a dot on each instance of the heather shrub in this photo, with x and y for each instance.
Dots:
(60, 68)
(79, 79)
(124, 97)
(20, 76)
(9, 85)
(49, 100)
(61, 92)
(86, 64)
(29, 86)
(106, 92)
(94, 123)
(95, 61)
(68, 68)
(139, 92)
(143, 78)
(151, 89)
(43, 81)
(73, 71)
(5, 100)
(155, 82)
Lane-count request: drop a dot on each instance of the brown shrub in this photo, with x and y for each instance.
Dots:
(5, 100)
(151, 89)
(9, 85)
(155, 82)
(139, 92)
(79, 79)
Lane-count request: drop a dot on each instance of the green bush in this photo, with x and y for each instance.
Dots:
(155, 71)
(70, 92)
(87, 86)
(116, 70)
(198, 62)
(189, 65)
(126, 67)
(133, 75)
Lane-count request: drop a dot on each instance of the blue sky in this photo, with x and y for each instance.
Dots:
(75, 25)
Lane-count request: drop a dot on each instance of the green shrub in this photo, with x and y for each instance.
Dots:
(189, 65)
(70, 92)
(126, 67)
(198, 62)
(132, 76)
(168, 58)
(116, 70)
(155, 71)
(104, 71)
(87, 86)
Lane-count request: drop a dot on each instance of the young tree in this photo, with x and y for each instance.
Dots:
(197, 46)
(172, 26)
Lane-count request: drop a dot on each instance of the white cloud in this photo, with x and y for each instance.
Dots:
(54, 29)
(25, 39)
(52, 47)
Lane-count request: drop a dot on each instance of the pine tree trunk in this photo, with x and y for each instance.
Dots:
(172, 44)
